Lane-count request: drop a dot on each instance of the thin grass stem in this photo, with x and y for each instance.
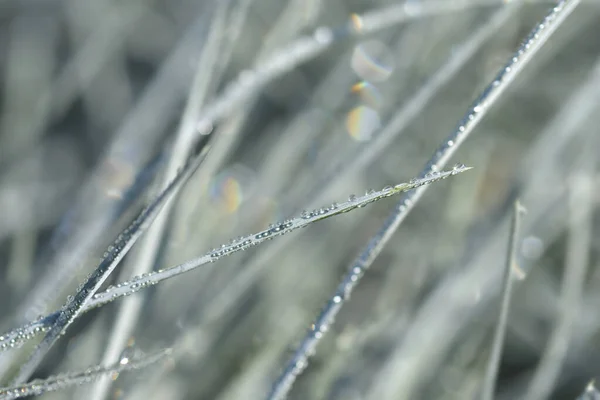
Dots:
(17, 337)
(64, 381)
(75, 304)
(145, 259)
(511, 272)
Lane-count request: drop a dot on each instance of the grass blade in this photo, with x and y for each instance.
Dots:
(63, 381)
(75, 304)
(513, 67)
(145, 259)
(16, 337)
(511, 272)
(576, 263)
(309, 47)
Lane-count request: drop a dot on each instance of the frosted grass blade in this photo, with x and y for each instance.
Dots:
(18, 336)
(475, 113)
(510, 274)
(64, 381)
(75, 304)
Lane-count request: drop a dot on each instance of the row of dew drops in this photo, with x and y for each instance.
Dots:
(16, 337)
(126, 362)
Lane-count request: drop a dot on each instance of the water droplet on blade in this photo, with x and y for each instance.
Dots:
(372, 61)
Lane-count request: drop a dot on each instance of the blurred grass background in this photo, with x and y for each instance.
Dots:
(92, 95)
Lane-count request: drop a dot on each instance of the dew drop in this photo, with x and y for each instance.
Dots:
(362, 122)
(532, 248)
(372, 61)
(227, 188)
(356, 22)
(368, 93)
(300, 364)
(457, 168)
(204, 127)
(323, 35)
(127, 354)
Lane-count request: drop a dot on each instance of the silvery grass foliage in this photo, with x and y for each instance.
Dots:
(148, 141)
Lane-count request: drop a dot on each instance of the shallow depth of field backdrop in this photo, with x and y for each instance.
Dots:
(297, 104)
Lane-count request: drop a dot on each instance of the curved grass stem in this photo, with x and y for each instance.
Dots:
(511, 272)
(63, 381)
(17, 337)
